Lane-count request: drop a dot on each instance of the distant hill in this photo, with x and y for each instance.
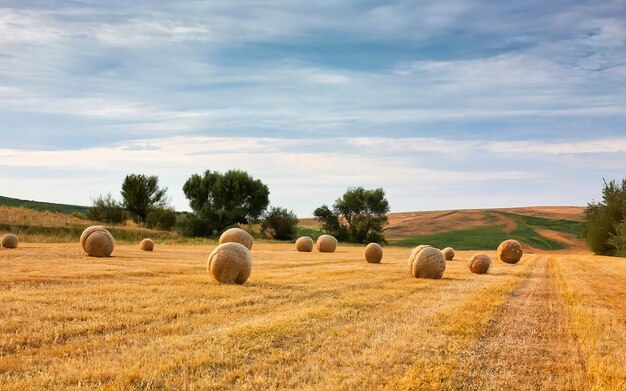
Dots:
(43, 206)
(540, 228)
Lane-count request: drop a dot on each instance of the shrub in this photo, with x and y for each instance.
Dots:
(107, 210)
(280, 224)
(191, 225)
(161, 218)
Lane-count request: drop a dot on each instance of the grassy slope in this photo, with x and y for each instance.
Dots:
(572, 227)
(35, 226)
(43, 206)
(490, 236)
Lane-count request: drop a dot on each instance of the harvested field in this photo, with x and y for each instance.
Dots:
(422, 223)
(313, 321)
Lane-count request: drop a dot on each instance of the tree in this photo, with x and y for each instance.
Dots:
(603, 219)
(141, 194)
(619, 239)
(106, 209)
(280, 224)
(221, 200)
(359, 216)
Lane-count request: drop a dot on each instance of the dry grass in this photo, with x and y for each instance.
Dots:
(306, 321)
(19, 216)
(431, 222)
(51, 227)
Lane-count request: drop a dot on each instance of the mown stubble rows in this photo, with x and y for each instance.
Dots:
(307, 321)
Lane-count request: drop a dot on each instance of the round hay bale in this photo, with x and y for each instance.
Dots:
(479, 263)
(10, 241)
(237, 235)
(147, 244)
(88, 231)
(373, 253)
(99, 243)
(230, 263)
(421, 247)
(448, 253)
(326, 244)
(304, 244)
(510, 251)
(414, 253)
(428, 263)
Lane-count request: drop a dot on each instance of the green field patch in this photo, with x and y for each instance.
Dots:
(465, 239)
(571, 227)
(489, 237)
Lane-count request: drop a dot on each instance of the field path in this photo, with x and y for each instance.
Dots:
(528, 341)
(574, 244)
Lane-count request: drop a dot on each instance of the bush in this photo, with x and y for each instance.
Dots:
(161, 218)
(280, 224)
(192, 226)
(106, 209)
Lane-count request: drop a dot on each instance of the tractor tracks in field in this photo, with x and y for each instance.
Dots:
(527, 345)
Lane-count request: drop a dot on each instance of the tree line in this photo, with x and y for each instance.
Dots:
(222, 200)
(605, 226)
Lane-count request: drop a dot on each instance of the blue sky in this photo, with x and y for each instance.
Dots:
(455, 104)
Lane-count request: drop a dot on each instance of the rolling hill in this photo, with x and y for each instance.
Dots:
(43, 206)
(538, 228)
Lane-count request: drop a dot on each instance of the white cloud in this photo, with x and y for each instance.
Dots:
(27, 27)
(303, 173)
(465, 84)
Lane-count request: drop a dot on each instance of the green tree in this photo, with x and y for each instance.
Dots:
(619, 239)
(359, 216)
(280, 224)
(604, 218)
(106, 209)
(142, 193)
(221, 200)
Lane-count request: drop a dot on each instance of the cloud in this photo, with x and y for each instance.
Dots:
(427, 98)
(303, 173)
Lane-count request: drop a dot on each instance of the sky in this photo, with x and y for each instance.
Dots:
(445, 105)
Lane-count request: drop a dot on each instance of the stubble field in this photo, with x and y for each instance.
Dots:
(307, 321)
